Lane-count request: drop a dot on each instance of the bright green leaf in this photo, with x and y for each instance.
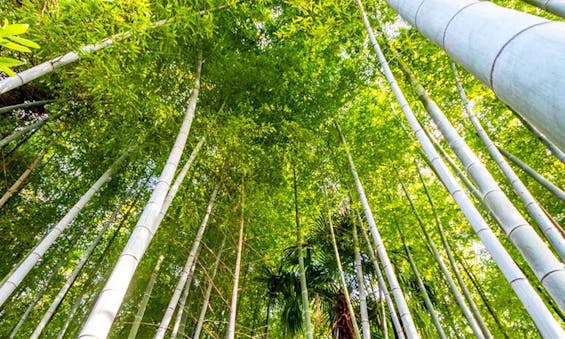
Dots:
(9, 62)
(24, 42)
(15, 47)
(7, 70)
(14, 29)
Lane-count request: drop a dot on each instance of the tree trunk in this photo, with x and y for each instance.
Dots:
(182, 301)
(423, 291)
(163, 326)
(145, 300)
(487, 39)
(233, 308)
(481, 332)
(18, 275)
(397, 293)
(361, 286)
(208, 293)
(538, 177)
(303, 286)
(110, 299)
(545, 322)
(71, 279)
(535, 210)
(22, 179)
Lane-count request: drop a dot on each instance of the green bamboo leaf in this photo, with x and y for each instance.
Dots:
(9, 62)
(24, 42)
(14, 29)
(7, 70)
(15, 47)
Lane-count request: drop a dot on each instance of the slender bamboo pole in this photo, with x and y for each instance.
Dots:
(361, 286)
(530, 171)
(145, 300)
(182, 301)
(163, 326)
(233, 308)
(556, 7)
(302, 269)
(405, 315)
(356, 331)
(548, 144)
(110, 300)
(18, 275)
(19, 183)
(208, 293)
(20, 131)
(546, 323)
(25, 105)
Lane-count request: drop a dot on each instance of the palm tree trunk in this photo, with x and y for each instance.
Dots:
(340, 270)
(109, 301)
(549, 270)
(233, 308)
(18, 275)
(22, 179)
(208, 293)
(182, 301)
(382, 285)
(535, 210)
(362, 290)
(145, 300)
(303, 286)
(423, 291)
(72, 278)
(530, 171)
(447, 247)
(32, 304)
(544, 320)
(452, 25)
(403, 309)
(480, 330)
(189, 262)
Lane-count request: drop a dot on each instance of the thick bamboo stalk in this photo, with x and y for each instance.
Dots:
(365, 327)
(428, 303)
(145, 300)
(548, 269)
(72, 278)
(37, 253)
(106, 308)
(302, 269)
(531, 172)
(382, 285)
(19, 183)
(235, 289)
(556, 7)
(480, 330)
(544, 320)
(517, 55)
(342, 281)
(546, 225)
(180, 316)
(208, 293)
(163, 326)
(405, 315)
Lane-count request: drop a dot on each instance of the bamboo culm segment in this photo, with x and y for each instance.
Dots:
(556, 7)
(545, 322)
(110, 299)
(235, 289)
(365, 326)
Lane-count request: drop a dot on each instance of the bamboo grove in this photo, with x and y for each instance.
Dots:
(332, 169)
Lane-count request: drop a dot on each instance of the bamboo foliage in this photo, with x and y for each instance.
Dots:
(18, 275)
(106, 308)
(546, 323)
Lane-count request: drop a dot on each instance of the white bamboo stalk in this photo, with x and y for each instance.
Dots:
(405, 315)
(182, 301)
(533, 207)
(548, 269)
(382, 285)
(530, 171)
(163, 326)
(145, 300)
(556, 7)
(110, 299)
(366, 329)
(342, 280)
(18, 275)
(235, 289)
(559, 154)
(71, 279)
(207, 294)
(544, 320)
(517, 55)
(22, 178)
